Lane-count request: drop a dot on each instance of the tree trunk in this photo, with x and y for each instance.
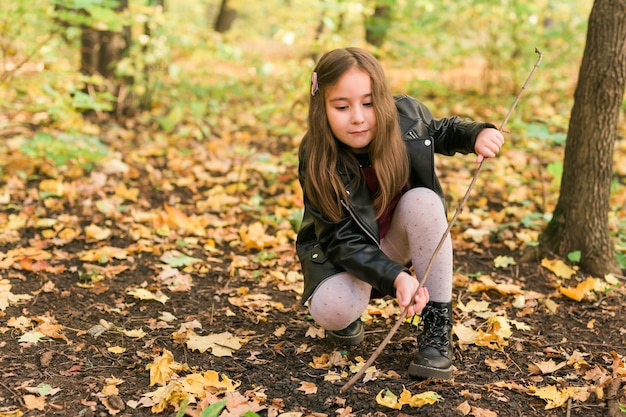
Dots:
(101, 50)
(377, 25)
(225, 18)
(580, 220)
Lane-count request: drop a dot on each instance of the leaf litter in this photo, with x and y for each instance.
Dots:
(170, 285)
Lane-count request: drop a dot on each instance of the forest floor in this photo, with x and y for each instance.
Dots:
(166, 280)
(86, 315)
(579, 345)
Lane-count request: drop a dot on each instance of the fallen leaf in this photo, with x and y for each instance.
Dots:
(222, 344)
(388, 399)
(546, 367)
(163, 368)
(7, 298)
(503, 261)
(146, 295)
(483, 412)
(308, 388)
(33, 402)
(558, 267)
(580, 291)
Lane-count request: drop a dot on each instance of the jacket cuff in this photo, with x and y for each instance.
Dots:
(386, 285)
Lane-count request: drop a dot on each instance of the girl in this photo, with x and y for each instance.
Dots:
(374, 206)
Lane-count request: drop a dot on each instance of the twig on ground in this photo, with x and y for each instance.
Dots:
(400, 319)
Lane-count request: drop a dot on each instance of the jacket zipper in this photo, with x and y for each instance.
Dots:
(360, 223)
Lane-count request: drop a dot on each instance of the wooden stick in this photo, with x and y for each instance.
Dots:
(400, 319)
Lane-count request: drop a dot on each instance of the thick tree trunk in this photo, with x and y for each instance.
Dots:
(225, 18)
(101, 50)
(580, 220)
(377, 25)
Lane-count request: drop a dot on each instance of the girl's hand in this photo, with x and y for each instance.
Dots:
(406, 285)
(488, 143)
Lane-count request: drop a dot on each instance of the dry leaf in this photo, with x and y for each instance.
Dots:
(222, 344)
(308, 388)
(558, 267)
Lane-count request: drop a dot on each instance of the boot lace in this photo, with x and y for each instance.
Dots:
(435, 327)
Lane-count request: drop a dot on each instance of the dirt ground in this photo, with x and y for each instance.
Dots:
(584, 341)
(277, 365)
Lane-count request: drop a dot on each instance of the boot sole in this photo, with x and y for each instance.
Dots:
(351, 340)
(424, 372)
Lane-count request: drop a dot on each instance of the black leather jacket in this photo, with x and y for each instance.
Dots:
(326, 248)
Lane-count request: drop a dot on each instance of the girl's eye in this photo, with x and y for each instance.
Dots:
(369, 104)
(341, 107)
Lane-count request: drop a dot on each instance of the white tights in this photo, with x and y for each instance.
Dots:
(417, 225)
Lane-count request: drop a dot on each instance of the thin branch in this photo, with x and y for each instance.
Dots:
(4, 75)
(400, 319)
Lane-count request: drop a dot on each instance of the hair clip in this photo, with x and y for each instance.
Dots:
(315, 87)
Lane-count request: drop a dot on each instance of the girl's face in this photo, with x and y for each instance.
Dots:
(350, 110)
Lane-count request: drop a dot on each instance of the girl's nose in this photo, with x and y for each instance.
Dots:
(357, 116)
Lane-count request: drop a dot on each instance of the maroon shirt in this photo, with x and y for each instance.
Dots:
(384, 222)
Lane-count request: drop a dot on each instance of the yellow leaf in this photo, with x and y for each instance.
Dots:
(32, 337)
(465, 334)
(254, 236)
(487, 283)
(55, 187)
(547, 367)
(388, 399)
(503, 261)
(222, 344)
(422, 399)
(558, 267)
(580, 291)
(103, 254)
(551, 305)
(137, 333)
(122, 191)
(556, 398)
(144, 294)
(7, 298)
(116, 349)
(196, 384)
(163, 368)
(13, 413)
(95, 232)
(473, 305)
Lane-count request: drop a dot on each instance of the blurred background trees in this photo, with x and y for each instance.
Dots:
(207, 68)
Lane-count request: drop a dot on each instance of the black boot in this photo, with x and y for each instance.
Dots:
(434, 344)
(350, 336)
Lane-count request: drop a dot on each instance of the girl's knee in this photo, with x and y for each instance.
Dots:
(423, 197)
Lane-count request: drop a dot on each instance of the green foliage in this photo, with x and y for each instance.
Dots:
(213, 410)
(574, 256)
(65, 148)
(99, 14)
(541, 132)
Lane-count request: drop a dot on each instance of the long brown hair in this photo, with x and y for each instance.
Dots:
(324, 158)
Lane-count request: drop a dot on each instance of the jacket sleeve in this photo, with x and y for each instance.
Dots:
(450, 134)
(353, 245)
(453, 134)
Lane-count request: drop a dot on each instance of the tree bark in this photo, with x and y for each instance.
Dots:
(377, 25)
(225, 18)
(580, 219)
(101, 50)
